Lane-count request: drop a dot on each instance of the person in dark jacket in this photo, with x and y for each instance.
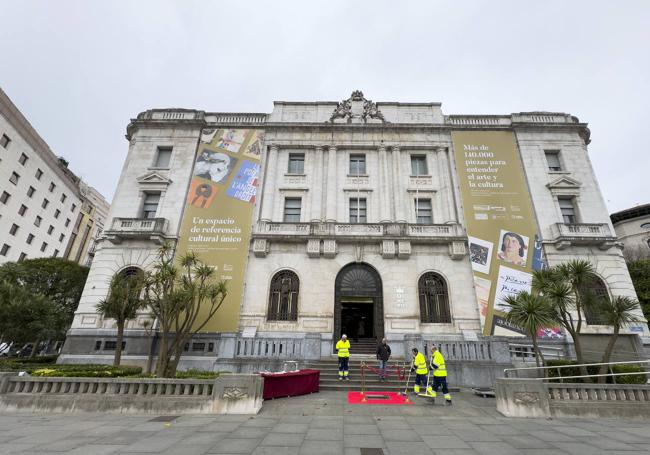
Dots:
(383, 354)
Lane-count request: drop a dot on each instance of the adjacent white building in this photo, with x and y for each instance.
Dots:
(358, 225)
(633, 230)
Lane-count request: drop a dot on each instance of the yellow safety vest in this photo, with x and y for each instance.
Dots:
(420, 364)
(438, 360)
(343, 347)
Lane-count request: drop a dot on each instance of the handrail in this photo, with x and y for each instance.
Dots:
(507, 370)
(591, 376)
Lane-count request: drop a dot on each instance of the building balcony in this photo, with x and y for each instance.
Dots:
(152, 229)
(357, 231)
(598, 234)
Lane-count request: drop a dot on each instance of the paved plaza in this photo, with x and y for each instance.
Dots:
(325, 424)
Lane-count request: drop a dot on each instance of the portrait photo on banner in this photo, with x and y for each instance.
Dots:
(215, 166)
(513, 248)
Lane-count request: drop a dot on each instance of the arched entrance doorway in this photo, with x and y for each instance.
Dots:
(358, 305)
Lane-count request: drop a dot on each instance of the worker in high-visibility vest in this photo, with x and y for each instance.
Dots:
(343, 349)
(439, 374)
(421, 370)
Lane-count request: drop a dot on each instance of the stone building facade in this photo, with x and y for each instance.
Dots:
(358, 223)
(633, 231)
(41, 200)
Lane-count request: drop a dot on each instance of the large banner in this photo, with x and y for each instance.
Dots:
(218, 213)
(501, 223)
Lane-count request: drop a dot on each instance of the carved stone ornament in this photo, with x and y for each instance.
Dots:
(357, 108)
(526, 398)
(233, 393)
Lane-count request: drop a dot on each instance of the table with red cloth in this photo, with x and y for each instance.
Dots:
(291, 383)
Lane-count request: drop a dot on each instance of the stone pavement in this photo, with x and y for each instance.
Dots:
(325, 424)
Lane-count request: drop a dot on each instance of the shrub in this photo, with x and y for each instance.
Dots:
(197, 374)
(631, 379)
(85, 371)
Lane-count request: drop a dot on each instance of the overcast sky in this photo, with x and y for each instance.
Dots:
(79, 70)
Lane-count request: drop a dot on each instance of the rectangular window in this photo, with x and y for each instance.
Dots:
(30, 191)
(150, 206)
(5, 197)
(22, 210)
(568, 210)
(423, 211)
(63, 197)
(358, 210)
(163, 157)
(30, 238)
(44, 246)
(292, 209)
(210, 347)
(61, 237)
(111, 345)
(98, 345)
(357, 164)
(37, 221)
(553, 160)
(4, 141)
(419, 165)
(23, 159)
(198, 347)
(50, 229)
(45, 203)
(296, 163)
(13, 229)
(67, 222)
(22, 257)
(14, 178)
(57, 212)
(73, 208)
(4, 250)
(52, 186)
(55, 254)
(39, 174)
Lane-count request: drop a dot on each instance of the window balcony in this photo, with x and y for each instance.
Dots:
(598, 234)
(152, 229)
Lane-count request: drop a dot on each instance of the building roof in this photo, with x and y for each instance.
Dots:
(628, 214)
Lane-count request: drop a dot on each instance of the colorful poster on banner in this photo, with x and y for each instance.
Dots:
(218, 214)
(501, 223)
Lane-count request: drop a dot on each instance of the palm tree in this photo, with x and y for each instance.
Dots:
(531, 312)
(123, 302)
(616, 312)
(564, 285)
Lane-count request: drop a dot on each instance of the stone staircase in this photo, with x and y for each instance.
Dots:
(329, 374)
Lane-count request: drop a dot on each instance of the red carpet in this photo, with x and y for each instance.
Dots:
(378, 398)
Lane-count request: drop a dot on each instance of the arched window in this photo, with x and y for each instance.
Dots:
(434, 299)
(283, 296)
(594, 293)
(131, 271)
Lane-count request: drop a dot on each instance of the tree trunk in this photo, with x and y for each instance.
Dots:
(539, 357)
(34, 349)
(163, 356)
(118, 343)
(152, 341)
(577, 345)
(607, 355)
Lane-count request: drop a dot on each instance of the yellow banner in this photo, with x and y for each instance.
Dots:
(501, 223)
(218, 213)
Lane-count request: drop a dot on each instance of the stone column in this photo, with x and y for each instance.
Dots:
(450, 191)
(270, 183)
(399, 188)
(443, 188)
(332, 189)
(317, 184)
(384, 186)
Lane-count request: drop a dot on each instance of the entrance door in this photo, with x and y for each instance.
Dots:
(358, 305)
(357, 318)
